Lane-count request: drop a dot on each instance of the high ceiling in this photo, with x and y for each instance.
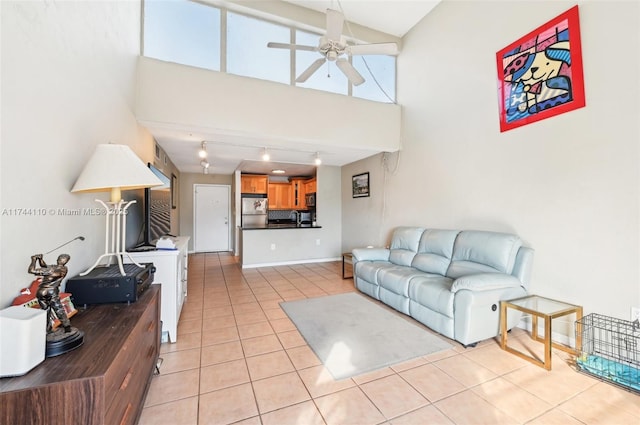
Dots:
(395, 17)
(228, 152)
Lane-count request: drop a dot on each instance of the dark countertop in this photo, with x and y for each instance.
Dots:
(271, 226)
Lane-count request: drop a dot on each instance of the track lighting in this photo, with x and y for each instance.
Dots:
(265, 155)
(318, 161)
(202, 153)
(205, 166)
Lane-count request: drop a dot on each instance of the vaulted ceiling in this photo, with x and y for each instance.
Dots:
(394, 17)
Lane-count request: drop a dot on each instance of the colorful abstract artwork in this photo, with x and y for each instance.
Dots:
(540, 75)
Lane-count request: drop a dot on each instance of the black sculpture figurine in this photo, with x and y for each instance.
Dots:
(66, 337)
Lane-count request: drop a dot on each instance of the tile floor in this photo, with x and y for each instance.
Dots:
(239, 359)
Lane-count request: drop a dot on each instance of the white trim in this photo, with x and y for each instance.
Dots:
(287, 263)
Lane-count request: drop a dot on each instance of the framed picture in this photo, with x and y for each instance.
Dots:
(360, 185)
(174, 191)
(540, 75)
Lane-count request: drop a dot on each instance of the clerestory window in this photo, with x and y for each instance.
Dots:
(205, 36)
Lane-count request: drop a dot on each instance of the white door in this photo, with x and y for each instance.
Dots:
(211, 211)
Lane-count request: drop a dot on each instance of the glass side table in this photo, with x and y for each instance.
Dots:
(539, 308)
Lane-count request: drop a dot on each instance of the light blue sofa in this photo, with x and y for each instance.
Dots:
(451, 281)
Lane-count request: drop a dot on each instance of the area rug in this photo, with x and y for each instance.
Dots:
(352, 334)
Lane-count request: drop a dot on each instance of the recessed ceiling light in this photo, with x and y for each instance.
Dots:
(278, 171)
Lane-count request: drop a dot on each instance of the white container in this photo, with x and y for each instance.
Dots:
(23, 339)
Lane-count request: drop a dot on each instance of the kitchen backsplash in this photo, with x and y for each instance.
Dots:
(280, 214)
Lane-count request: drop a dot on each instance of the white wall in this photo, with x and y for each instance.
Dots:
(568, 185)
(176, 96)
(68, 75)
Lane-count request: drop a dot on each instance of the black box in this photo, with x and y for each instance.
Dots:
(105, 285)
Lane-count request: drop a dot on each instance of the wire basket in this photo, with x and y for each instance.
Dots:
(608, 349)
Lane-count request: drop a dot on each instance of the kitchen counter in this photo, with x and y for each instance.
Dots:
(284, 243)
(283, 226)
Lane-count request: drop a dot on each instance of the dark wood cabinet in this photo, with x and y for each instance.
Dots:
(104, 381)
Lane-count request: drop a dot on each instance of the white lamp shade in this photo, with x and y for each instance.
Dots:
(114, 168)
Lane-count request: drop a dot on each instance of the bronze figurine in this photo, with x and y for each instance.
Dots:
(59, 341)
(49, 288)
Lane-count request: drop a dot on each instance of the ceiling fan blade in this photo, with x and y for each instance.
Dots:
(291, 46)
(335, 21)
(373, 49)
(309, 71)
(347, 69)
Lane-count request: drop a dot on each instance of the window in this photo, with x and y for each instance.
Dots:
(247, 51)
(182, 31)
(189, 33)
(384, 71)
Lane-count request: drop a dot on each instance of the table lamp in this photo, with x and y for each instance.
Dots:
(114, 168)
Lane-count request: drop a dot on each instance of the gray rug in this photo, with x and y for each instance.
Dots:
(352, 334)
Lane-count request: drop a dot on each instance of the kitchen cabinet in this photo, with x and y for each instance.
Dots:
(250, 183)
(279, 195)
(171, 273)
(102, 382)
(297, 193)
(310, 185)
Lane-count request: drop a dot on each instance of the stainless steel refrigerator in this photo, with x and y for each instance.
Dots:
(254, 212)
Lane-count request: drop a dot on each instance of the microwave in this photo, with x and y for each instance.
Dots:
(310, 199)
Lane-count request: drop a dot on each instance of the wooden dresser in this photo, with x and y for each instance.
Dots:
(104, 381)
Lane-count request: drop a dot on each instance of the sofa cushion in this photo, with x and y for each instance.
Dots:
(368, 270)
(433, 292)
(404, 244)
(483, 252)
(435, 250)
(397, 279)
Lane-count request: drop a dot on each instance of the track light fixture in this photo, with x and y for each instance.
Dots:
(318, 161)
(202, 153)
(265, 155)
(205, 166)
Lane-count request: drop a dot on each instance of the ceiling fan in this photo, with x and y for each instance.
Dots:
(333, 47)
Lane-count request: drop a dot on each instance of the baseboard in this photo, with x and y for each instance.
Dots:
(288, 263)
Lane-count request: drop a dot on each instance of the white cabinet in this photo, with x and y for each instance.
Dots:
(171, 273)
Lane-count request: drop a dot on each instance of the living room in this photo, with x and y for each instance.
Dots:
(568, 185)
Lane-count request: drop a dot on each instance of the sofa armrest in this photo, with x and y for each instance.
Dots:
(485, 282)
(370, 254)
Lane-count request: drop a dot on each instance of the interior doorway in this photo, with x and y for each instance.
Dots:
(211, 213)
